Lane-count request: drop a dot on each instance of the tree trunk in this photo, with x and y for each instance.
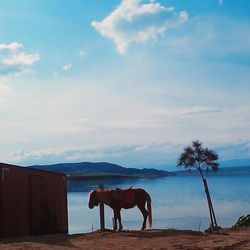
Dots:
(210, 205)
(209, 201)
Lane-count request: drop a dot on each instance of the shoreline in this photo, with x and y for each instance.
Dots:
(181, 223)
(133, 239)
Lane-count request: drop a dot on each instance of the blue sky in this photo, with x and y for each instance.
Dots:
(130, 82)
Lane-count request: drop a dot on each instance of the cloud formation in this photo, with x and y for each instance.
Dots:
(126, 155)
(3, 91)
(67, 67)
(134, 21)
(136, 155)
(188, 111)
(83, 53)
(49, 156)
(14, 60)
(196, 110)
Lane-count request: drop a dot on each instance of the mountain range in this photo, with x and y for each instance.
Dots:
(108, 170)
(235, 162)
(101, 170)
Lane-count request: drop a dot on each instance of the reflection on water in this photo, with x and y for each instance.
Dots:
(177, 202)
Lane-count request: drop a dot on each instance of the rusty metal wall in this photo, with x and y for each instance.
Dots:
(32, 202)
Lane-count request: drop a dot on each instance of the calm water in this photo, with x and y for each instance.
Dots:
(177, 202)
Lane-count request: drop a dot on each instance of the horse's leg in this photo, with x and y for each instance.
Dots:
(144, 212)
(119, 220)
(115, 220)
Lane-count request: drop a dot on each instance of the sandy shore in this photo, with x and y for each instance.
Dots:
(146, 240)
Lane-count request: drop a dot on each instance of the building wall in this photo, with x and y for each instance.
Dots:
(32, 202)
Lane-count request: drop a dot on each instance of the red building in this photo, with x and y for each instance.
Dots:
(32, 201)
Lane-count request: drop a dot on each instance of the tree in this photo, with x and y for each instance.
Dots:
(200, 158)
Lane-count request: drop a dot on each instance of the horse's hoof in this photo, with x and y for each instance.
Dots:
(120, 229)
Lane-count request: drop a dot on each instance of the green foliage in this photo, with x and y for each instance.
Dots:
(200, 158)
(196, 156)
(243, 221)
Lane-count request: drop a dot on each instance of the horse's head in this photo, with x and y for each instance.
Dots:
(93, 199)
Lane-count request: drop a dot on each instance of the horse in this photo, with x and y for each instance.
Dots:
(123, 198)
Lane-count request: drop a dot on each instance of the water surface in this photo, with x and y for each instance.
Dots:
(177, 202)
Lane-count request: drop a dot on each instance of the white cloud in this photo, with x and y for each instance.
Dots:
(14, 60)
(83, 53)
(3, 88)
(67, 67)
(12, 46)
(21, 59)
(140, 155)
(117, 154)
(4, 91)
(3, 102)
(237, 150)
(133, 22)
(196, 110)
(187, 111)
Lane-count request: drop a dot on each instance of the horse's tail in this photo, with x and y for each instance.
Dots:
(149, 208)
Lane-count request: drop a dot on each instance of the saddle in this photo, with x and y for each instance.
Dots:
(123, 196)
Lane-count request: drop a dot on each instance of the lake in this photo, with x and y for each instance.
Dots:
(177, 202)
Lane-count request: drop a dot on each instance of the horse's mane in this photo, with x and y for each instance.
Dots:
(91, 192)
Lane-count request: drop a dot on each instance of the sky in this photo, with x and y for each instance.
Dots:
(125, 81)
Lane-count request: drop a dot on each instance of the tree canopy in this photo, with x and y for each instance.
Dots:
(198, 157)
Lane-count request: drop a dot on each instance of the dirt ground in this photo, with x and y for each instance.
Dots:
(149, 239)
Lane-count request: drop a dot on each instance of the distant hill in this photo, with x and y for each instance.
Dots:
(172, 165)
(236, 163)
(101, 170)
(234, 170)
(221, 171)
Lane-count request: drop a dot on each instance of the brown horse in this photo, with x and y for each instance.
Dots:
(123, 198)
